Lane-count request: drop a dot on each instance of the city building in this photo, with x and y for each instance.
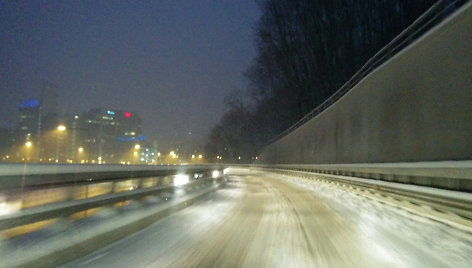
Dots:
(28, 120)
(149, 155)
(48, 99)
(36, 116)
(97, 136)
(7, 140)
(111, 135)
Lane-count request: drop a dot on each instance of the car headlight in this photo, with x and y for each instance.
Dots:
(181, 179)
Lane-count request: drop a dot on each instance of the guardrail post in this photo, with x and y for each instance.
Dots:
(70, 191)
(113, 187)
(140, 183)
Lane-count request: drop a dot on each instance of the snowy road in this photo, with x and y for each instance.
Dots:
(261, 220)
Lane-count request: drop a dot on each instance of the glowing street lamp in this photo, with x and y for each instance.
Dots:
(61, 128)
(81, 149)
(137, 146)
(200, 156)
(28, 144)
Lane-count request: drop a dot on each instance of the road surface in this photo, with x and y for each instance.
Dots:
(261, 220)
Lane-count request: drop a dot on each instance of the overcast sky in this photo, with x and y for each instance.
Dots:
(172, 61)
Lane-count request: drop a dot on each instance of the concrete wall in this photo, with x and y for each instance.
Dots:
(415, 107)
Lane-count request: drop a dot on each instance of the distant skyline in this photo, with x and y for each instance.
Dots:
(171, 61)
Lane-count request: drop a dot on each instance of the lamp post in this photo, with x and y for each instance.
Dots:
(61, 129)
(28, 144)
(80, 155)
(28, 147)
(136, 153)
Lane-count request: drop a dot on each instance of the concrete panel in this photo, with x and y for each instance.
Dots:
(415, 107)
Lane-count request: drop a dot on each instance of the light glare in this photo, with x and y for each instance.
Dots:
(181, 179)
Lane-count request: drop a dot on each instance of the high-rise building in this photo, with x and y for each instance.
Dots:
(48, 99)
(110, 135)
(35, 117)
(7, 140)
(28, 120)
(97, 136)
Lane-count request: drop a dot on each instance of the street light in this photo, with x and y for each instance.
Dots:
(27, 151)
(137, 146)
(61, 128)
(80, 154)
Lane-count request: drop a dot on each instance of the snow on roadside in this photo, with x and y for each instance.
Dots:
(376, 220)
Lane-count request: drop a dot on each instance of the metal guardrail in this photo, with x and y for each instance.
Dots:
(424, 23)
(373, 178)
(449, 175)
(67, 208)
(72, 178)
(23, 177)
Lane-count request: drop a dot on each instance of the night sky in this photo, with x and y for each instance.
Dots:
(171, 61)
